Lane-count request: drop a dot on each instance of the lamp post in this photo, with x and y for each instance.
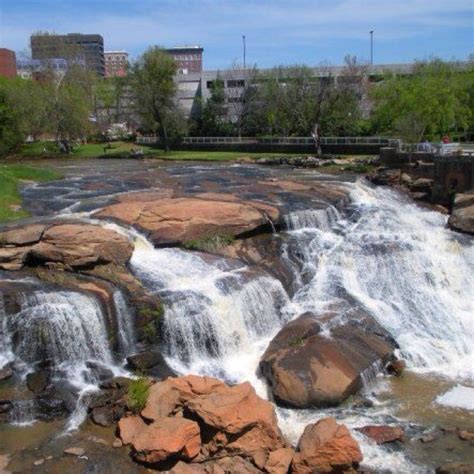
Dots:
(243, 40)
(371, 47)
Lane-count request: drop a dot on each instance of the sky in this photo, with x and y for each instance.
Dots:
(277, 31)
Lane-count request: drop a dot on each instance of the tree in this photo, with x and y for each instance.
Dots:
(155, 90)
(431, 101)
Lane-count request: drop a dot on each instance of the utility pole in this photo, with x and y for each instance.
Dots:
(371, 47)
(243, 39)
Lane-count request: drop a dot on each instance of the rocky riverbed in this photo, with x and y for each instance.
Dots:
(345, 305)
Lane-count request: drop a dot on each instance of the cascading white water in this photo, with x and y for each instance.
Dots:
(219, 315)
(125, 327)
(398, 262)
(65, 327)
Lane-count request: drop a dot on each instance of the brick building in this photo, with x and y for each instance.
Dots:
(188, 58)
(116, 63)
(72, 47)
(7, 63)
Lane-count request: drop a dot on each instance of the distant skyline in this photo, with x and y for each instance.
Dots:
(277, 31)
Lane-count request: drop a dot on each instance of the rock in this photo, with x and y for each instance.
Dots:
(462, 216)
(70, 245)
(455, 468)
(176, 221)
(279, 461)
(306, 369)
(382, 434)
(428, 438)
(165, 438)
(423, 185)
(107, 415)
(129, 427)
(151, 362)
(405, 179)
(384, 176)
(225, 465)
(75, 451)
(4, 460)
(49, 409)
(466, 435)
(326, 446)
(396, 367)
(99, 371)
(38, 462)
(6, 372)
(117, 443)
(231, 421)
(38, 381)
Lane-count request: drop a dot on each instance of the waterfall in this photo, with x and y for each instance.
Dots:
(219, 313)
(396, 261)
(126, 330)
(22, 413)
(63, 326)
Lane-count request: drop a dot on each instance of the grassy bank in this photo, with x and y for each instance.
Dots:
(121, 149)
(11, 175)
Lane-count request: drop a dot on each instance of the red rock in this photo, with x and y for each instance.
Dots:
(326, 446)
(175, 221)
(396, 367)
(279, 461)
(129, 427)
(28, 234)
(382, 434)
(165, 438)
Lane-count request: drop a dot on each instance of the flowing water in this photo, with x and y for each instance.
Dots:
(379, 253)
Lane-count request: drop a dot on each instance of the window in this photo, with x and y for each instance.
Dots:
(235, 83)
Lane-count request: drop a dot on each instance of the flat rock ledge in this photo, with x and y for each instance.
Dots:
(175, 221)
(307, 368)
(201, 425)
(69, 245)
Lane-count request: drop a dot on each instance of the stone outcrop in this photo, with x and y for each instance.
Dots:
(462, 216)
(326, 446)
(70, 245)
(177, 221)
(306, 368)
(382, 434)
(202, 419)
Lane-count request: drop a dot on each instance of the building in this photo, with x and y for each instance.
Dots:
(34, 68)
(188, 58)
(72, 47)
(7, 63)
(116, 63)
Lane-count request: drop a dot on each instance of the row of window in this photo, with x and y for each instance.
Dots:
(231, 83)
(186, 57)
(115, 58)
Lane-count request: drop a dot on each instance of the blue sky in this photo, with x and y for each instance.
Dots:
(277, 31)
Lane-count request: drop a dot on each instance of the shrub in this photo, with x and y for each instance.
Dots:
(209, 243)
(137, 394)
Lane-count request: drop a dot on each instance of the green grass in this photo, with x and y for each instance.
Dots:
(137, 394)
(10, 177)
(209, 243)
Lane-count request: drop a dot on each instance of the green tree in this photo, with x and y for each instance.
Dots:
(431, 101)
(155, 90)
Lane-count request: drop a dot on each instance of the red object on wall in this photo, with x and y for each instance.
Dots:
(7, 63)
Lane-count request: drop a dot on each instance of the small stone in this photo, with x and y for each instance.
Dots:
(75, 451)
(6, 373)
(117, 443)
(427, 438)
(465, 435)
(38, 462)
(48, 458)
(396, 367)
(97, 440)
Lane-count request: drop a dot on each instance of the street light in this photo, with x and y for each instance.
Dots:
(243, 39)
(371, 47)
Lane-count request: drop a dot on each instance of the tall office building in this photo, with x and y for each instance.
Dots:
(72, 47)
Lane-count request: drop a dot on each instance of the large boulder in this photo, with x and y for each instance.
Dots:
(305, 367)
(462, 216)
(73, 245)
(326, 446)
(231, 421)
(177, 221)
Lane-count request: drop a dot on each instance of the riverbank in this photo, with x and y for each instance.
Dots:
(11, 177)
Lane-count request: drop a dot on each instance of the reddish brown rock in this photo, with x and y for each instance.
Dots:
(129, 427)
(279, 461)
(326, 446)
(382, 434)
(462, 216)
(175, 221)
(71, 245)
(396, 367)
(167, 437)
(306, 369)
